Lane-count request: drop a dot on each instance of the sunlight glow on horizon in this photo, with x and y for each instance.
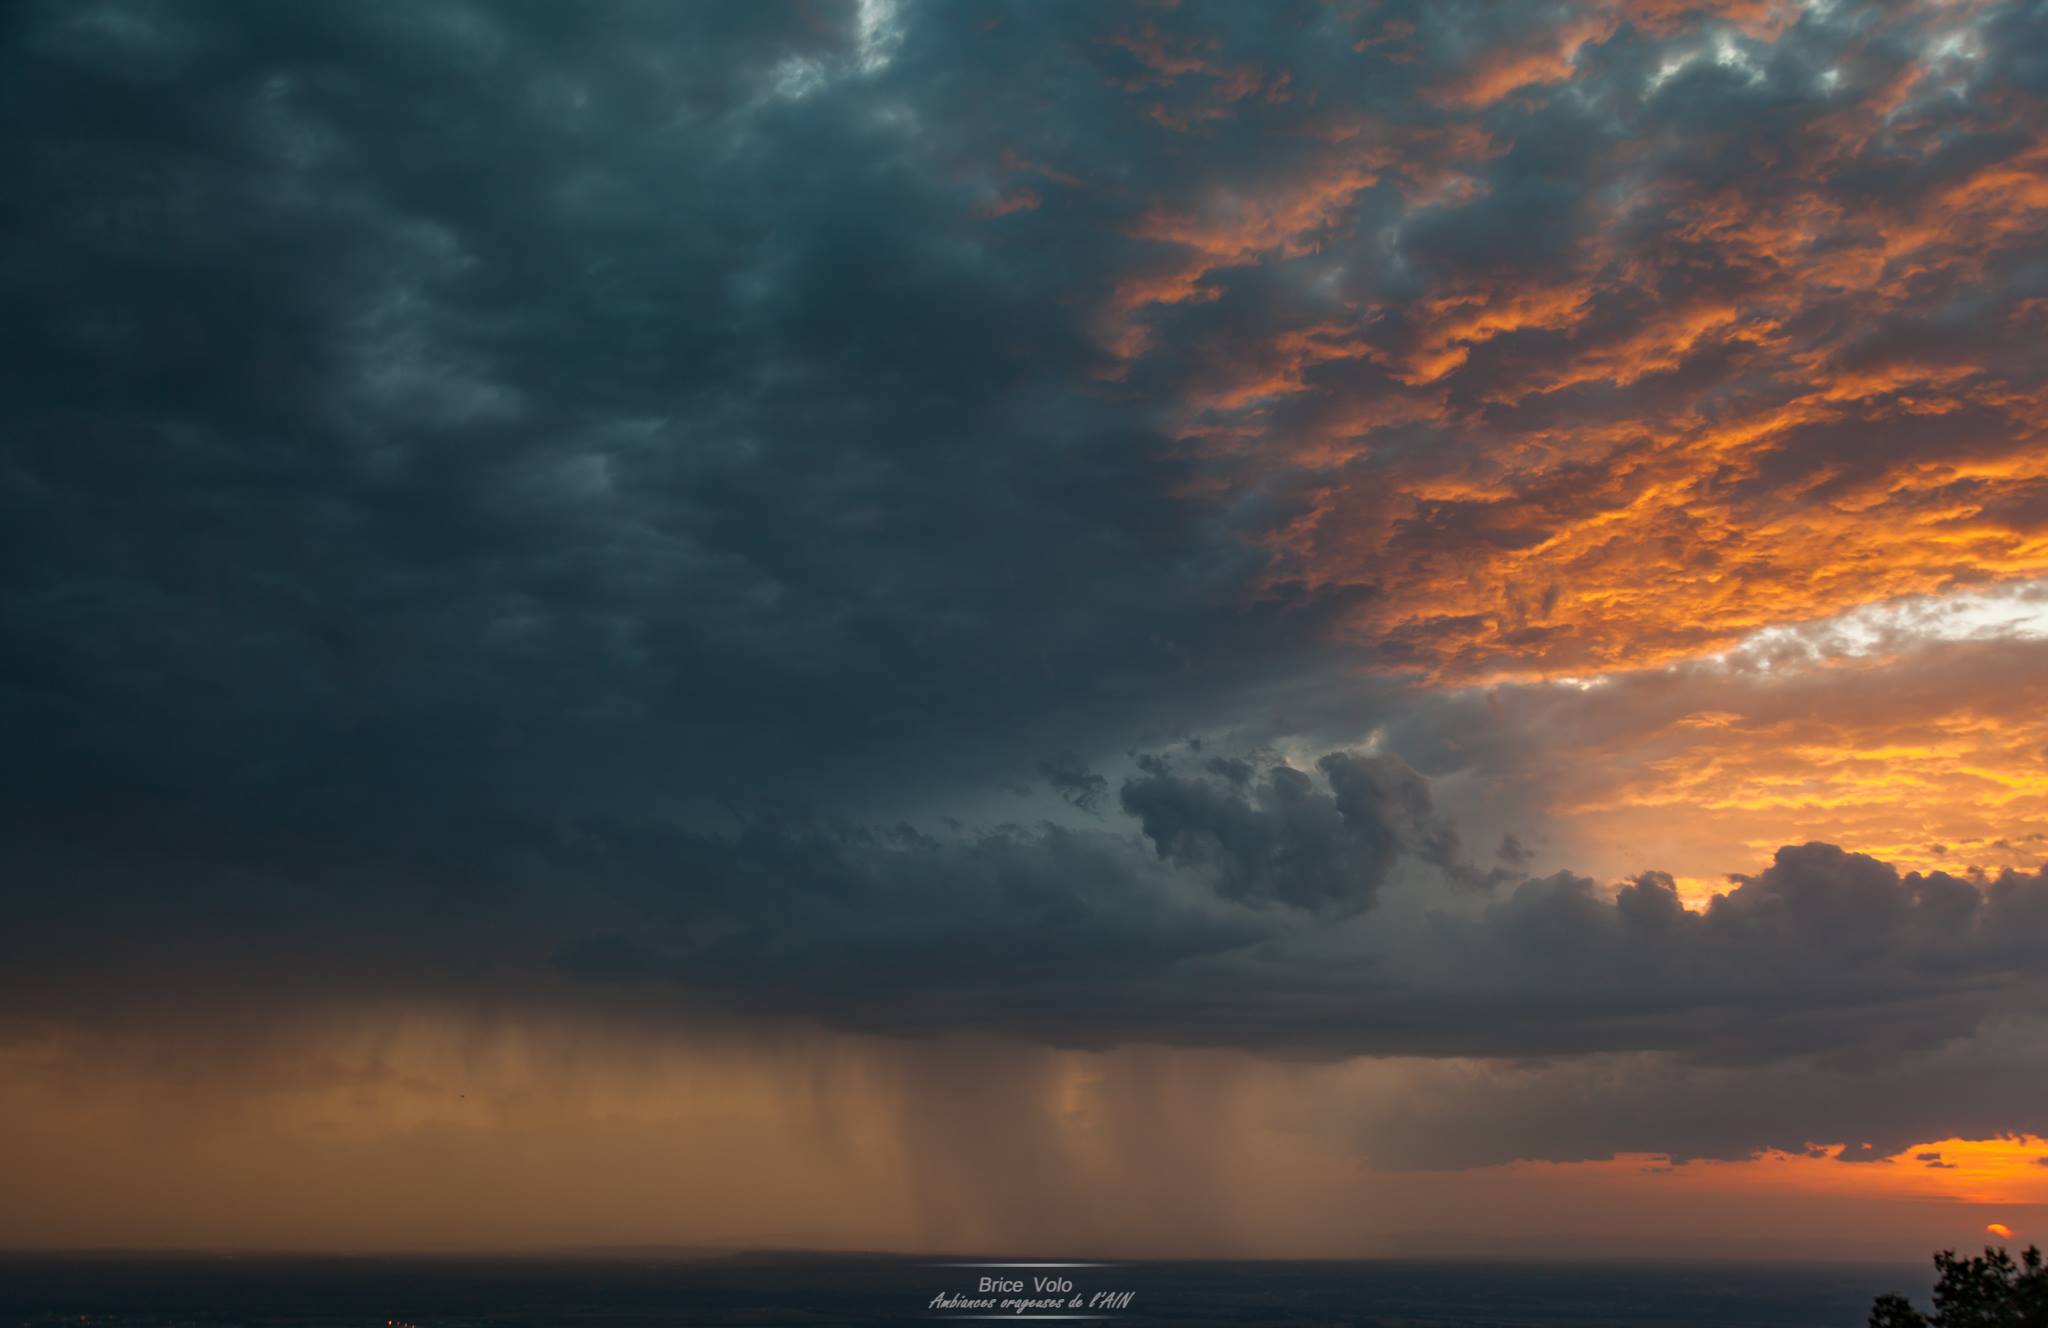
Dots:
(2000, 1171)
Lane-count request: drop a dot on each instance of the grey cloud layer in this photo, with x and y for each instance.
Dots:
(453, 400)
(488, 487)
(1224, 934)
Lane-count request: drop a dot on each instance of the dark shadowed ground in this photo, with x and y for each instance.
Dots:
(851, 1289)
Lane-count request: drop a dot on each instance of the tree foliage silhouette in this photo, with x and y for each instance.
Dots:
(1987, 1291)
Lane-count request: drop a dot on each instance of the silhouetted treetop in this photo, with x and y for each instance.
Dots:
(1987, 1291)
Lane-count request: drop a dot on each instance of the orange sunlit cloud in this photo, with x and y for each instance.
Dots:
(1645, 469)
(1719, 405)
(1932, 756)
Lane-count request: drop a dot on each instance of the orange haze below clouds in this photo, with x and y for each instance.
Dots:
(393, 1130)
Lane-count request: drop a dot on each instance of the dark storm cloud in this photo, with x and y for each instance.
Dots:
(1280, 837)
(515, 409)
(498, 492)
(1075, 782)
(1829, 1000)
(1461, 1114)
(1083, 938)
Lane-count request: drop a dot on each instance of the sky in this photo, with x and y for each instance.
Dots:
(1301, 629)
